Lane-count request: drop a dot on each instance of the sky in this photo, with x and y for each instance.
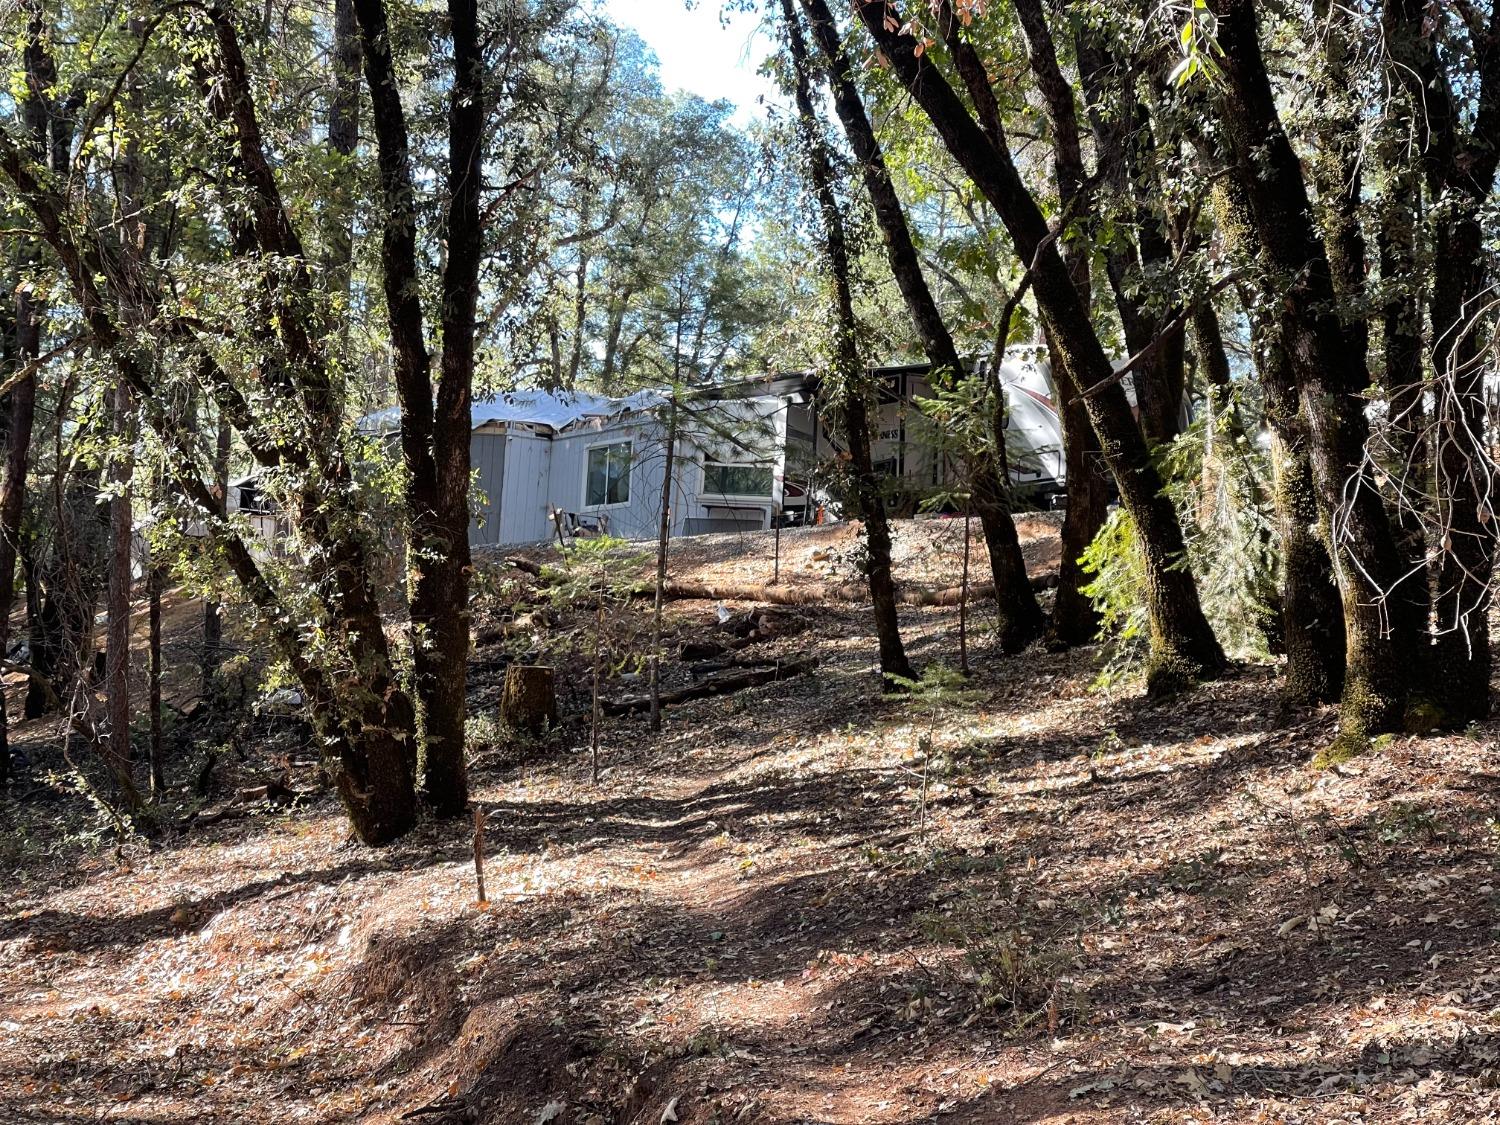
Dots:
(698, 52)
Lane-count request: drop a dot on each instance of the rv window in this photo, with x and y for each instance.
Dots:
(608, 480)
(737, 480)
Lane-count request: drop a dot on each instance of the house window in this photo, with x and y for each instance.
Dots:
(720, 479)
(608, 478)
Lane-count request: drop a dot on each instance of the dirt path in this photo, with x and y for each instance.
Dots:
(1106, 912)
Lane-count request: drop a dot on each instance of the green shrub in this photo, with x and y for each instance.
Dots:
(1118, 592)
(1020, 970)
(1219, 482)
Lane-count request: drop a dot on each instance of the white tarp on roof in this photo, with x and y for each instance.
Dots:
(555, 409)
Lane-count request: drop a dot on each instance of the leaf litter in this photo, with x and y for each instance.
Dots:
(1113, 912)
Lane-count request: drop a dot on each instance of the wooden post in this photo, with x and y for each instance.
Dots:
(776, 566)
(479, 854)
(963, 600)
(153, 677)
(598, 662)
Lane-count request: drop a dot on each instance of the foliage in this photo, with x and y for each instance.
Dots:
(602, 573)
(1117, 591)
(601, 568)
(957, 423)
(1218, 479)
(1020, 968)
(940, 688)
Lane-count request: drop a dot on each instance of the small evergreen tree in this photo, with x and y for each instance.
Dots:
(604, 572)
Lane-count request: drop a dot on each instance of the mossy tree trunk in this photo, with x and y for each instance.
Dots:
(1329, 367)
(1459, 154)
(529, 699)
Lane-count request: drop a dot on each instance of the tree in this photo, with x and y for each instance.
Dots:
(1020, 617)
(848, 370)
(22, 342)
(1311, 612)
(1330, 372)
(1182, 643)
(1450, 67)
(434, 434)
(362, 715)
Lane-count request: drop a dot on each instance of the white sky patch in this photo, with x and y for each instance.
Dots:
(702, 51)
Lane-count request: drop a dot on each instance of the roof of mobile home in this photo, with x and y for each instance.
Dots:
(557, 410)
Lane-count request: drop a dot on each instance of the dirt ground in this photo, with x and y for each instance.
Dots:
(926, 552)
(1076, 908)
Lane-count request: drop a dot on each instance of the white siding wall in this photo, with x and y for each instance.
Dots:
(756, 434)
(639, 516)
(539, 473)
(487, 462)
(523, 501)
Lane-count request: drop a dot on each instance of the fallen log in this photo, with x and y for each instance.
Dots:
(851, 592)
(715, 685)
(730, 660)
(952, 595)
(525, 566)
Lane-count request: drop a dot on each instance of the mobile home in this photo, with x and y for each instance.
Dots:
(553, 462)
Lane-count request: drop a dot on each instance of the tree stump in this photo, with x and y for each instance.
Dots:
(529, 700)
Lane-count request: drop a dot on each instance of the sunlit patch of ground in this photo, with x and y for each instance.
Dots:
(1101, 911)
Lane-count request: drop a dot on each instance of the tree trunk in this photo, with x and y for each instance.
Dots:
(1460, 154)
(343, 142)
(213, 611)
(1020, 617)
(1208, 344)
(12, 354)
(1182, 645)
(1074, 620)
(119, 750)
(851, 377)
(529, 700)
(663, 537)
(1409, 456)
(67, 577)
(1331, 376)
(1312, 616)
(27, 347)
(64, 575)
(435, 437)
(1138, 247)
(1461, 683)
